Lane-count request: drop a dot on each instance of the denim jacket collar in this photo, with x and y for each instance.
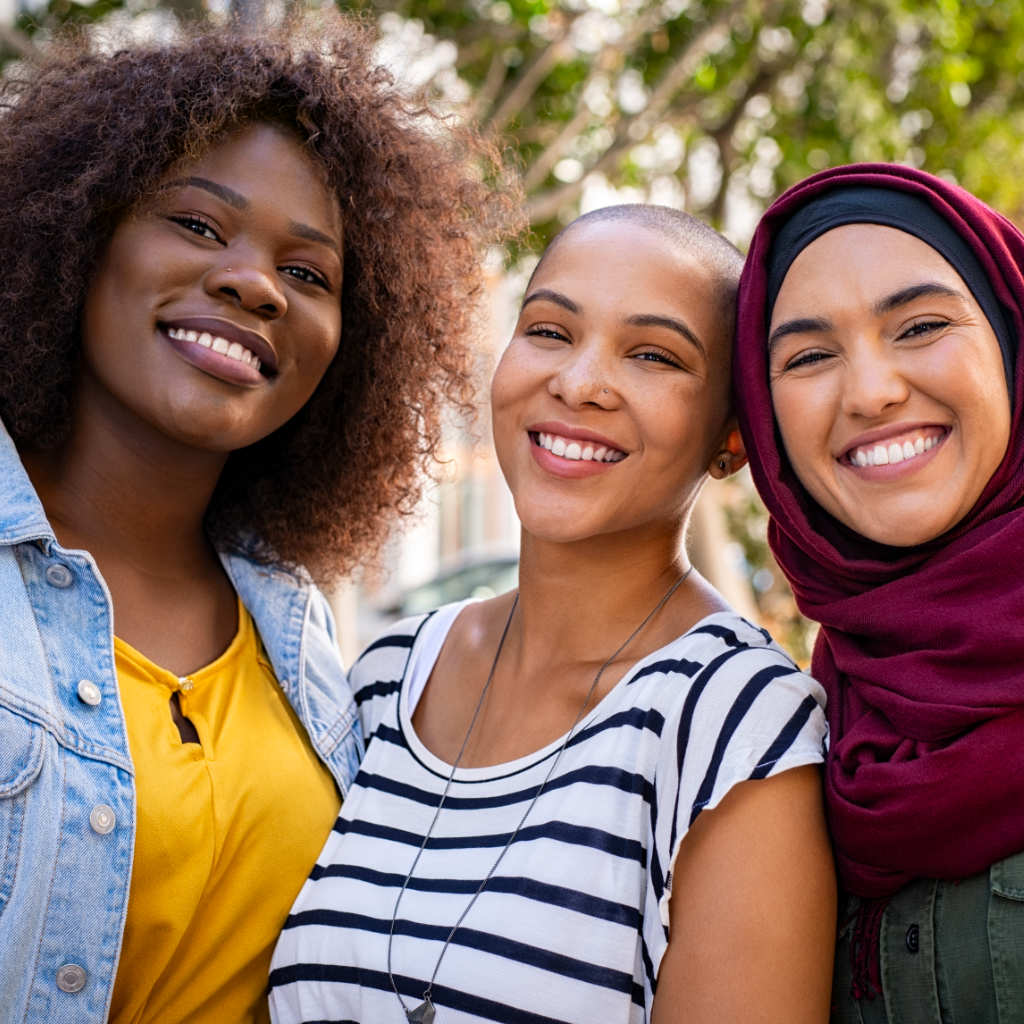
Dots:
(21, 513)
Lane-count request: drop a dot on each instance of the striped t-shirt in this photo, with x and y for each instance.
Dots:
(573, 924)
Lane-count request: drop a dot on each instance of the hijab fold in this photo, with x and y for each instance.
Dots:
(921, 649)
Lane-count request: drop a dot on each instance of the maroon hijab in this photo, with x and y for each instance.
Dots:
(921, 650)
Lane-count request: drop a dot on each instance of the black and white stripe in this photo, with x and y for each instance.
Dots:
(573, 925)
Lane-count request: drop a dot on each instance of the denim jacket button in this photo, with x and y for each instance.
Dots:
(58, 575)
(913, 938)
(71, 978)
(102, 819)
(89, 692)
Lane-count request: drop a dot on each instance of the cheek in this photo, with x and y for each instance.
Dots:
(804, 424)
(507, 386)
(321, 332)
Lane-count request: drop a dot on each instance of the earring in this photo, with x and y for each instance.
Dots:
(722, 464)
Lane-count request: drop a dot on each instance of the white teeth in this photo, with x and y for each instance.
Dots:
(233, 349)
(577, 451)
(892, 454)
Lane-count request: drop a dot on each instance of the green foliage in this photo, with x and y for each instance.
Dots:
(755, 94)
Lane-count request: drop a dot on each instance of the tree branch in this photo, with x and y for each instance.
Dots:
(492, 83)
(16, 41)
(530, 78)
(632, 129)
(762, 81)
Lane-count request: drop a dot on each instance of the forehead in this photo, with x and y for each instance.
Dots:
(618, 268)
(267, 163)
(869, 261)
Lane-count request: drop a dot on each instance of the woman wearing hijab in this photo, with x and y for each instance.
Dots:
(880, 391)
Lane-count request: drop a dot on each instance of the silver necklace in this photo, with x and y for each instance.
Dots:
(424, 1012)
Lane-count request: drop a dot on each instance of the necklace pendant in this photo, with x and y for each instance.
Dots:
(422, 1014)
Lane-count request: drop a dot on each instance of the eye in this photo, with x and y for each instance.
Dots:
(658, 356)
(809, 358)
(924, 328)
(307, 276)
(546, 331)
(197, 225)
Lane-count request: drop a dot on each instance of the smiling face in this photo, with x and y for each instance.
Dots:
(612, 397)
(216, 308)
(887, 383)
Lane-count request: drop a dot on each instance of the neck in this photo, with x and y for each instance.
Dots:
(129, 490)
(578, 601)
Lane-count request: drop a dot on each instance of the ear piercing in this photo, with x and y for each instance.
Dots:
(722, 464)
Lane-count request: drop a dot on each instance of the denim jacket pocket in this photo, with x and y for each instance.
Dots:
(1006, 935)
(21, 758)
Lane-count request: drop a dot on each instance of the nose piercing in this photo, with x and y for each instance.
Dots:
(604, 391)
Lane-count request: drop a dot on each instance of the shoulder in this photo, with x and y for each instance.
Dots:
(745, 703)
(388, 654)
(723, 653)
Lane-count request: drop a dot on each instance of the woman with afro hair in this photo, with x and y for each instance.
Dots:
(239, 286)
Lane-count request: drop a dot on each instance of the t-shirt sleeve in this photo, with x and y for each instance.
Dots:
(747, 714)
(376, 676)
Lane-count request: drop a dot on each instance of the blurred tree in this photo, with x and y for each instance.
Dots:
(719, 104)
(715, 105)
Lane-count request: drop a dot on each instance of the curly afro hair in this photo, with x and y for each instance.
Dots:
(85, 137)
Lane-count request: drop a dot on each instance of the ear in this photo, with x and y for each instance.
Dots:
(732, 455)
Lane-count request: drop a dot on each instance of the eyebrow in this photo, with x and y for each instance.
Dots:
(915, 291)
(802, 325)
(229, 195)
(656, 320)
(240, 202)
(807, 325)
(548, 295)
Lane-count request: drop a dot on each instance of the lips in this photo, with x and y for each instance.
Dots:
(225, 338)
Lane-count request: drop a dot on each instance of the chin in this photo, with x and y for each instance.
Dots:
(556, 527)
(907, 530)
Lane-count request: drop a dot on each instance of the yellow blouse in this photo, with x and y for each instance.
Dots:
(227, 831)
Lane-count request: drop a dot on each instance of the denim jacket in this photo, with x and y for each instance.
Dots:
(67, 796)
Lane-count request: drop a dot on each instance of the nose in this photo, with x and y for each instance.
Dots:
(583, 377)
(873, 382)
(250, 281)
